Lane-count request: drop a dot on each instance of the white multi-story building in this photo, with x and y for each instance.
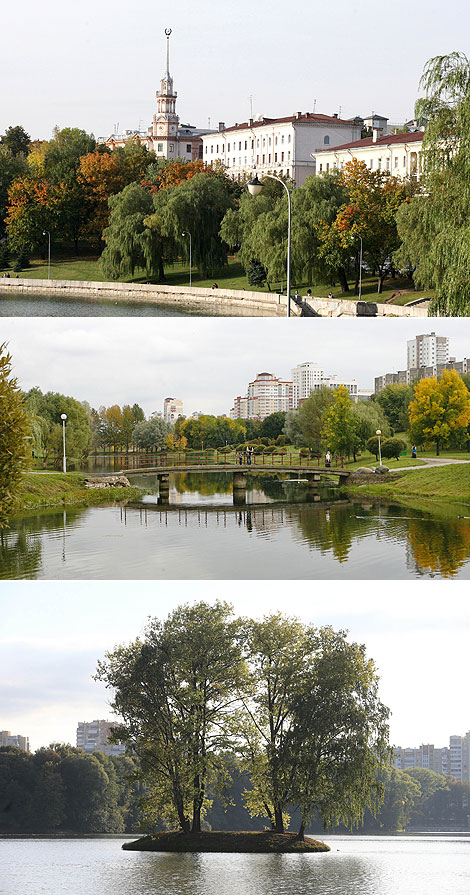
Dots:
(14, 739)
(282, 146)
(165, 136)
(172, 409)
(399, 154)
(265, 395)
(309, 377)
(93, 736)
(427, 350)
(452, 760)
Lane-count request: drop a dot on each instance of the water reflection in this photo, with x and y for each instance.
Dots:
(282, 530)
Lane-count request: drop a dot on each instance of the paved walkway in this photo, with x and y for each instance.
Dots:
(431, 461)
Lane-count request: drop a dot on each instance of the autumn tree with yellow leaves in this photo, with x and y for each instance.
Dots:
(440, 410)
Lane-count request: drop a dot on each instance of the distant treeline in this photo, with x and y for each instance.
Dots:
(62, 789)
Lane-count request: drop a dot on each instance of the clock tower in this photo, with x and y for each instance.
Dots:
(165, 121)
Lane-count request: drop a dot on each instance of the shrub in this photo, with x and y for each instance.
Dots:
(372, 445)
(393, 447)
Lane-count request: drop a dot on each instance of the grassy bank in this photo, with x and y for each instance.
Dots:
(87, 267)
(52, 489)
(439, 483)
(265, 842)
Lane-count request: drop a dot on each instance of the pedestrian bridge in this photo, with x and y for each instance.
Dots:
(163, 465)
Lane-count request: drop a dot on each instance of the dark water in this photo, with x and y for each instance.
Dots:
(40, 305)
(283, 531)
(355, 866)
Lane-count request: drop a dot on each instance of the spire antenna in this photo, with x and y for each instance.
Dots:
(168, 32)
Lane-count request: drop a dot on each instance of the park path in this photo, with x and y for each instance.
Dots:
(432, 461)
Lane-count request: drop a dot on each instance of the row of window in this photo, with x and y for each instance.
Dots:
(414, 161)
(259, 142)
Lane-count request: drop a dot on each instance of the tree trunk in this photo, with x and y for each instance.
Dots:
(437, 447)
(343, 279)
(301, 833)
(380, 283)
(278, 820)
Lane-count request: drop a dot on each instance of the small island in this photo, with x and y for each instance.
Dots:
(265, 842)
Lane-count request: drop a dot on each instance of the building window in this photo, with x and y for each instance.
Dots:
(217, 149)
(252, 144)
(257, 159)
(246, 144)
(288, 138)
(171, 147)
(326, 140)
(269, 142)
(228, 148)
(239, 145)
(257, 144)
(188, 147)
(321, 167)
(404, 161)
(396, 163)
(282, 156)
(282, 139)
(371, 164)
(275, 141)
(234, 163)
(327, 167)
(264, 157)
(275, 156)
(207, 150)
(212, 149)
(160, 147)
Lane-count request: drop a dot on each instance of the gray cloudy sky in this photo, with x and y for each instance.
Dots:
(99, 63)
(204, 361)
(51, 638)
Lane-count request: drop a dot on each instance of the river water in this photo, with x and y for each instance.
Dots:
(355, 866)
(283, 531)
(41, 305)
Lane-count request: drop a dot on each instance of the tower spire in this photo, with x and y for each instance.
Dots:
(168, 32)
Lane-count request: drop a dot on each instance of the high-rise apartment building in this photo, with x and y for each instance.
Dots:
(452, 760)
(14, 739)
(265, 395)
(93, 736)
(427, 350)
(309, 377)
(172, 409)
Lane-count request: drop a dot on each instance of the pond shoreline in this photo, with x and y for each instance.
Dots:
(265, 842)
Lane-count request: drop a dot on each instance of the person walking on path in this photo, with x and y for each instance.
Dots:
(413, 452)
(328, 459)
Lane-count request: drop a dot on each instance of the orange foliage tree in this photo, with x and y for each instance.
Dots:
(440, 410)
(34, 207)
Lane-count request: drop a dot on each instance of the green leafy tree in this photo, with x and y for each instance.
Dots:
(394, 401)
(14, 432)
(338, 742)
(196, 206)
(340, 424)
(150, 434)
(16, 140)
(273, 425)
(130, 243)
(393, 447)
(176, 693)
(440, 410)
(368, 418)
(12, 166)
(439, 245)
(47, 409)
(304, 427)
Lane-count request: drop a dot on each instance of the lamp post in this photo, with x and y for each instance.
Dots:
(360, 270)
(187, 233)
(63, 417)
(48, 254)
(378, 432)
(255, 187)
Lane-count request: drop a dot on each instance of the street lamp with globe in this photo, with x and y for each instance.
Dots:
(63, 417)
(378, 432)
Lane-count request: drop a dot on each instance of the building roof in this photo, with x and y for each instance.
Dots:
(387, 140)
(298, 118)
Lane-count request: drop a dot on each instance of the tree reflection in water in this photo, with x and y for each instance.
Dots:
(21, 544)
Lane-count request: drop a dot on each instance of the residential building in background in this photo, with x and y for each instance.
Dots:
(172, 409)
(309, 377)
(266, 394)
(14, 739)
(426, 351)
(427, 357)
(93, 736)
(281, 146)
(452, 760)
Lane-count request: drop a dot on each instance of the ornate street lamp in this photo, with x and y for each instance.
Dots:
(63, 417)
(186, 233)
(378, 432)
(255, 187)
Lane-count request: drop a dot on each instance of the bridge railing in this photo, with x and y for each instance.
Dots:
(222, 458)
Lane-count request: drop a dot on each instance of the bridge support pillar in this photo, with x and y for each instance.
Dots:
(313, 477)
(163, 488)
(239, 488)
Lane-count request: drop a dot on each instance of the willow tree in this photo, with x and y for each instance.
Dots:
(14, 431)
(316, 731)
(435, 227)
(176, 692)
(130, 243)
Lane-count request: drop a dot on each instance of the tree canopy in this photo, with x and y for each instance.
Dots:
(14, 431)
(440, 410)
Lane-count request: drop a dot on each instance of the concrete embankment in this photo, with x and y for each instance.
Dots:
(231, 302)
(346, 307)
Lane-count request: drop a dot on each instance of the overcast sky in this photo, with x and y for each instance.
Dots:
(51, 637)
(99, 63)
(205, 362)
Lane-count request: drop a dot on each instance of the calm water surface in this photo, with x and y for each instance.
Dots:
(355, 866)
(39, 305)
(283, 531)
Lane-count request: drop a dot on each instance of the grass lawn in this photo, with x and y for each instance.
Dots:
(442, 483)
(87, 267)
(48, 489)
